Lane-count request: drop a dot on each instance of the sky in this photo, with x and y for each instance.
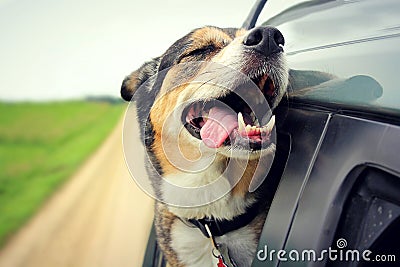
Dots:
(59, 49)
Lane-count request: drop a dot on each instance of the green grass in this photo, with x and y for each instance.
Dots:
(41, 145)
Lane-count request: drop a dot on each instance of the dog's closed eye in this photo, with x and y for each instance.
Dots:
(199, 53)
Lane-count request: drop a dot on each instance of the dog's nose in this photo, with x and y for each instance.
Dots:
(266, 40)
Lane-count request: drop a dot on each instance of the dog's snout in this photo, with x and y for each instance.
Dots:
(266, 40)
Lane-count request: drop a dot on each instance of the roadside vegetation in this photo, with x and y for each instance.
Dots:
(41, 145)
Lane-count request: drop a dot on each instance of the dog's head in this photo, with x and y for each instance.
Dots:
(208, 94)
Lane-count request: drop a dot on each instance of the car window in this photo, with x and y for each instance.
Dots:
(341, 51)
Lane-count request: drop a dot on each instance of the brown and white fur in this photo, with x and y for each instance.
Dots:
(258, 55)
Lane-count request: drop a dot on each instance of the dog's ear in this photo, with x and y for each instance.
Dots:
(133, 81)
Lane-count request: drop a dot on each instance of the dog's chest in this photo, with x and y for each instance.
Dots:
(195, 250)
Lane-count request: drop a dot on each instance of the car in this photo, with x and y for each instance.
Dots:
(336, 173)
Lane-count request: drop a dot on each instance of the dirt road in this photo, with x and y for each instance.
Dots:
(98, 218)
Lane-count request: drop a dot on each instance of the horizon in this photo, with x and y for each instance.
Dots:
(73, 49)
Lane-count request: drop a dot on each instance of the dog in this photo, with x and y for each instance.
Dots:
(190, 108)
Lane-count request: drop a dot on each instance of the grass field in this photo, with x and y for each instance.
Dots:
(41, 145)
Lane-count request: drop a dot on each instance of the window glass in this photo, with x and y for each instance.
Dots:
(341, 51)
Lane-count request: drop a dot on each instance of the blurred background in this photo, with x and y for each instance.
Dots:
(66, 196)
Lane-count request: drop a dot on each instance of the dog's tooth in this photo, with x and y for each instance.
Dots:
(266, 118)
(253, 130)
(248, 128)
(241, 123)
(270, 124)
(253, 117)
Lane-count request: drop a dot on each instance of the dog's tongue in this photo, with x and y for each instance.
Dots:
(221, 122)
